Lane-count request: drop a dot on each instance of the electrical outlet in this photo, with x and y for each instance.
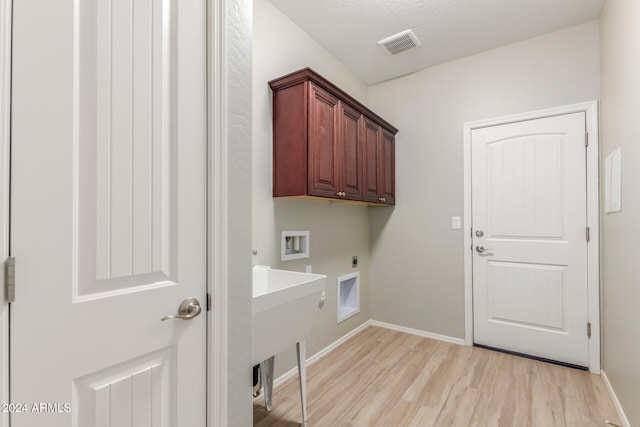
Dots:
(354, 262)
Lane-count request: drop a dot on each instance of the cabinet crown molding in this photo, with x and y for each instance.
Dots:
(308, 74)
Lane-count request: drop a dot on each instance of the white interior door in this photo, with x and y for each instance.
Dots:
(108, 212)
(529, 210)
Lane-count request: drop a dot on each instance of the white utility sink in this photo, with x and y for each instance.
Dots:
(284, 306)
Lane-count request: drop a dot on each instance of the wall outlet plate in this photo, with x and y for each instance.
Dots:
(354, 262)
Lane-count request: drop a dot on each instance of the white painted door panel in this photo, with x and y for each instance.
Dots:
(529, 201)
(108, 212)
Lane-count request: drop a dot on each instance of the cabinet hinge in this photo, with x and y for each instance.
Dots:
(586, 139)
(208, 301)
(10, 278)
(588, 234)
(588, 329)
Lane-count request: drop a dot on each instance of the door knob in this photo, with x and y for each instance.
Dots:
(187, 310)
(482, 249)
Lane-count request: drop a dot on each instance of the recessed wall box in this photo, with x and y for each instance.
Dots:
(348, 296)
(295, 245)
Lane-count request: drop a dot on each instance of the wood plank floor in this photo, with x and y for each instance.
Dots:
(387, 378)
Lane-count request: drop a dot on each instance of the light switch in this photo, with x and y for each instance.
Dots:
(455, 223)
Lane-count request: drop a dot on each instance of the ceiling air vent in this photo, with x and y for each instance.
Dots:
(400, 42)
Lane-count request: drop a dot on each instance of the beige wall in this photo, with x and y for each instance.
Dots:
(417, 265)
(337, 231)
(620, 127)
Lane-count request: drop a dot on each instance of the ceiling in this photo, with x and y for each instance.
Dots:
(448, 29)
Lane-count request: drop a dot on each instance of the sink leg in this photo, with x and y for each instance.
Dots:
(267, 380)
(301, 350)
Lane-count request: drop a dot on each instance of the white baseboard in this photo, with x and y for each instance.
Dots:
(425, 334)
(614, 398)
(292, 372)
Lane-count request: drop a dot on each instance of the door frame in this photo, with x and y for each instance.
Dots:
(229, 62)
(5, 120)
(593, 216)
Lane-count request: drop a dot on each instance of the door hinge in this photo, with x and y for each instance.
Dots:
(588, 329)
(586, 139)
(208, 301)
(588, 234)
(10, 278)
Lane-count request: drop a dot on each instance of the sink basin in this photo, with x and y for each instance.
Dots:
(285, 304)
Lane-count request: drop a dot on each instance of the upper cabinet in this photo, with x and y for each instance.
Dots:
(328, 145)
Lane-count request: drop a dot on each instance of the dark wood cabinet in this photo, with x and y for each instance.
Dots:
(379, 163)
(371, 161)
(328, 145)
(387, 168)
(350, 153)
(324, 146)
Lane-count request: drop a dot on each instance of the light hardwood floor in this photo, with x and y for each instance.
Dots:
(387, 378)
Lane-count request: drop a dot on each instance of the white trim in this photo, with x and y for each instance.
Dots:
(593, 249)
(593, 222)
(217, 221)
(5, 116)
(229, 216)
(418, 332)
(614, 398)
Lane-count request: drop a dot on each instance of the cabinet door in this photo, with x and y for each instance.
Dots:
(324, 171)
(387, 168)
(370, 160)
(350, 158)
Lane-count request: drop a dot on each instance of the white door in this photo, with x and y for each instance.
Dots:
(529, 211)
(108, 212)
